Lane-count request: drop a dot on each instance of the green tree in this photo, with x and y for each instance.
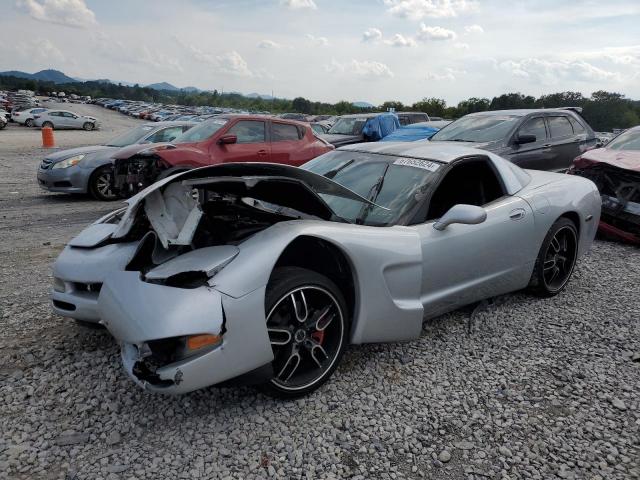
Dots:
(392, 104)
(434, 107)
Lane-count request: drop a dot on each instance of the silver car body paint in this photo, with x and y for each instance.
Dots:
(208, 260)
(401, 274)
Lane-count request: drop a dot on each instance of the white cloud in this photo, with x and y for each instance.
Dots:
(299, 4)
(41, 50)
(419, 9)
(551, 72)
(269, 44)
(461, 46)
(435, 33)
(399, 40)
(133, 54)
(72, 13)
(371, 35)
(318, 41)
(232, 63)
(448, 74)
(364, 68)
(473, 29)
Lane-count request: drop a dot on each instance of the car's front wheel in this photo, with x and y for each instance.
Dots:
(29, 122)
(556, 259)
(308, 326)
(100, 184)
(88, 126)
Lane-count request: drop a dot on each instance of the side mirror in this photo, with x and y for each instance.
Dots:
(526, 138)
(228, 139)
(461, 213)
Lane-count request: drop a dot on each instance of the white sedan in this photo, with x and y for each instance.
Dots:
(65, 119)
(26, 117)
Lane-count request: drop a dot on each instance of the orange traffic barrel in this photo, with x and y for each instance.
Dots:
(47, 138)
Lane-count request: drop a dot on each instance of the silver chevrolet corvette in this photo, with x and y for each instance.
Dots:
(263, 273)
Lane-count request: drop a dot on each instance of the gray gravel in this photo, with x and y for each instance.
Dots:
(534, 389)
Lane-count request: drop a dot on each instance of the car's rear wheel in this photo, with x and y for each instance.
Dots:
(101, 184)
(29, 122)
(47, 124)
(308, 326)
(88, 126)
(556, 259)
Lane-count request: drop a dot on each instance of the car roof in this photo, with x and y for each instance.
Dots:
(168, 123)
(521, 112)
(360, 115)
(443, 152)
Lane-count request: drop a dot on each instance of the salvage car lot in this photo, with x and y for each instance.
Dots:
(538, 389)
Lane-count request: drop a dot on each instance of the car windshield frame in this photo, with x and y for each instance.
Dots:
(495, 127)
(621, 141)
(202, 131)
(396, 185)
(130, 137)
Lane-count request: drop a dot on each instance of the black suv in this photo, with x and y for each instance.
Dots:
(541, 139)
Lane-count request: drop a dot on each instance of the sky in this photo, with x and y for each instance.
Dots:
(331, 50)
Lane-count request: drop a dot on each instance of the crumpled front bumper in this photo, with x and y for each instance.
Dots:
(136, 312)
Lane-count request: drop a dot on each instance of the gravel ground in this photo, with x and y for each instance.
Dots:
(536, 388)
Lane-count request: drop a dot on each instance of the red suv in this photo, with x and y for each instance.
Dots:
(225, 138)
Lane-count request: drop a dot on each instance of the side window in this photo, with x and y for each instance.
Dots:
(165, 135)
(281, 132)
(577, 126)
(248, 131)
(404, 120)
(473, 182)
(54, 114)
(534, 126)
(560, 127)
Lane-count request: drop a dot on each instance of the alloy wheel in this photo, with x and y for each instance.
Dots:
(560, 258)
(103, 185)
(305, 329)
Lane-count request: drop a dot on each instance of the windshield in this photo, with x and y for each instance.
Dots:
(203, 131)
(629, 140)
(395, 184)
(348, 126)
(130, 137)
(477, 128)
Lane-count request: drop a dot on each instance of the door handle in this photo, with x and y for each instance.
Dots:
(262, 153)
(546, 145)
(517, 214)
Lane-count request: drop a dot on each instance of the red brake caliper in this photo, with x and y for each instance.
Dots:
(318, 336)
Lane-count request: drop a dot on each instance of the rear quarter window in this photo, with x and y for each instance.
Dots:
(282, 132)
(560, 127)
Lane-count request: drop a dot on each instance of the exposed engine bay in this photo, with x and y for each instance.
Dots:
(134, 174)
(620, 192)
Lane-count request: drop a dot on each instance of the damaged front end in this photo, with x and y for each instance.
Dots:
(134, 173)
(620, 192)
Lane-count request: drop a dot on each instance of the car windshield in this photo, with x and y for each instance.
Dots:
(629, 140)
(130, 137)
(202, 131)
(395, 184)
(477, 128)
(348, 126)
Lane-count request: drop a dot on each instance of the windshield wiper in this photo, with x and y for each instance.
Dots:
(374, 191)
(332, 173)
(460, 140)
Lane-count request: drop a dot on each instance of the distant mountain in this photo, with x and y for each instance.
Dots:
(54, 76)
(259, 95)
(191, 89)
(163, 86)
(363, 105)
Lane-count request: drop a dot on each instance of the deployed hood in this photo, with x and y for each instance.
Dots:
(337, 140)
(63, 154)
(626, 159)
(174, 213)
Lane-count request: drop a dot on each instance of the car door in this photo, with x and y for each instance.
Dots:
(536, 155)
(463, 264)
(564, 142)
(251, 144)
(287, 143)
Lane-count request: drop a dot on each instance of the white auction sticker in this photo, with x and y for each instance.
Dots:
(417, 163)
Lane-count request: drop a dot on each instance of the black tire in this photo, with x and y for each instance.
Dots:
(556, 259)
(101, 184)
(29, 123)
(316, 342)
(47, 124)
(88, 126)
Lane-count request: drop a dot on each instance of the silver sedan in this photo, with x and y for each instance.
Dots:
(64, 119)
(265, 272)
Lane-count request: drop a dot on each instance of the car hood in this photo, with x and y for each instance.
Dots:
(282, 186)
(627, 159)
(71, 152)
(338, 140)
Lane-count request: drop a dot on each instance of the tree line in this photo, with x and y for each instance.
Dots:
(603, 110)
